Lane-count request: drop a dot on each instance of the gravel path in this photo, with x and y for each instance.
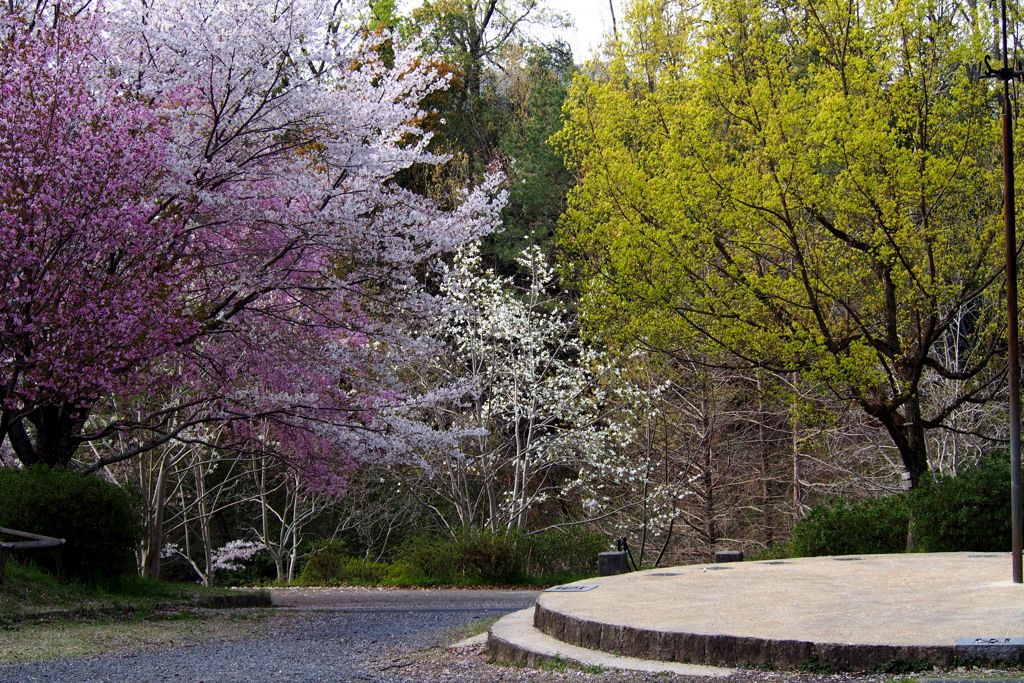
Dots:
(380, 636)
(353, 635)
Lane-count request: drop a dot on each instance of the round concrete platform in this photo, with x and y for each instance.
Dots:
(846, 613)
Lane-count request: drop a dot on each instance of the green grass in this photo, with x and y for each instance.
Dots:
(470, 629)
(42, 618)
(30, 593)
(558, 665)
(31, 641)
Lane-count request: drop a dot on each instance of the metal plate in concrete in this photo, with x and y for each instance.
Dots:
(571, 588)
(991, 649)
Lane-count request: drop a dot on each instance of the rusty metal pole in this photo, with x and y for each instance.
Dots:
(1007, 74)
(1012, 347)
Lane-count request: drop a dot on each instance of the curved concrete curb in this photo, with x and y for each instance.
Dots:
(514, 640)
(725, 650)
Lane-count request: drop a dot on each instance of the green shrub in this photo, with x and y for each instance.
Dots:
(966, 513)
(329, 563)
(98, 520)
(969, 512)
(258, 570)
(777, 551)
(355, 571)
(873, 525)
(506, 557)
(321, 562)
(564, 554)
(470, 557)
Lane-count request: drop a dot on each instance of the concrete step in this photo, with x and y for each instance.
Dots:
(514, 640)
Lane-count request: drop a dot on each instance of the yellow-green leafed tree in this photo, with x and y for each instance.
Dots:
(811, 186)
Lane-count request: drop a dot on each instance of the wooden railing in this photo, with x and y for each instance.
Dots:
(34, 541)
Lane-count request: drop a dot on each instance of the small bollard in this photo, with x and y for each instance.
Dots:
(729, 556)
(612, 563)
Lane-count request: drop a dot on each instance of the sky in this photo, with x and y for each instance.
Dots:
(592, 19)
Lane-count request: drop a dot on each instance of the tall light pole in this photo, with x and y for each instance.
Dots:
(1007, 74)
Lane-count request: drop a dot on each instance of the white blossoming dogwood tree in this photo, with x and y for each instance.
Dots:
(541, 416)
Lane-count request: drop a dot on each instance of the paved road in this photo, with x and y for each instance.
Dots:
(337, 635)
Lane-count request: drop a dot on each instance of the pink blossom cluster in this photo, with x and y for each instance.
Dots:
(90, 261)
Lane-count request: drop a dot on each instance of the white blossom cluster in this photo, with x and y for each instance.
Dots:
(542, 414)
(228, 557)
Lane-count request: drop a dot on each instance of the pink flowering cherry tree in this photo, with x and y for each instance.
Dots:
(91, 260)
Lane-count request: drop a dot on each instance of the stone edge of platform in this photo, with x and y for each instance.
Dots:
(514, 640)
(729, 650)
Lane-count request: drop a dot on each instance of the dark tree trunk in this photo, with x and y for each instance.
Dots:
(907, 433)
(474, 68)
(57, 430)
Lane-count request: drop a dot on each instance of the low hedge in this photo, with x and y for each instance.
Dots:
(99, 521)
(969, 512)
(470, 557)
(873, 525)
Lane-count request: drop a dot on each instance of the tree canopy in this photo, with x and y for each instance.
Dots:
(806, 186)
